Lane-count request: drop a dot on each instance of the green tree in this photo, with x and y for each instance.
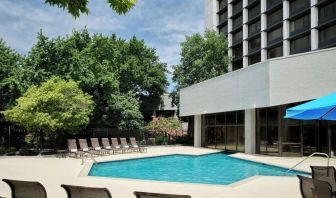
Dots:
(77, 7)
(126, 109)
(102, 66)
(54, 105)
(11, 76)
(202, 58)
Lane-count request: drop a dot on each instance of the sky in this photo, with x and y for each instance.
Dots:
(163, 24)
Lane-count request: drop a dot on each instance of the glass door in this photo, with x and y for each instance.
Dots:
(211, 137)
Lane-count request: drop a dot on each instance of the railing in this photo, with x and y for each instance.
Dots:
(313, 154)
(85, 157)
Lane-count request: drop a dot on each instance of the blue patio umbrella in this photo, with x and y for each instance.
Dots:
(320, 109)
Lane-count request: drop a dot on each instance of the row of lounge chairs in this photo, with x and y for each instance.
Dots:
(33, 189)
(321, 185)
(105, 148)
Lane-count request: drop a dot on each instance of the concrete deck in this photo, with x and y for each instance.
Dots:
(52, 172)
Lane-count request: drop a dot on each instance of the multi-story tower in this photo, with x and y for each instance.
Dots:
(263, 29)
(283, 53)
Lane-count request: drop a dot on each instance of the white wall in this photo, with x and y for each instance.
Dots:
(210, 12)
(273, 82)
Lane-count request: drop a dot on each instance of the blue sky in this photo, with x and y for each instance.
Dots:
(163, 24)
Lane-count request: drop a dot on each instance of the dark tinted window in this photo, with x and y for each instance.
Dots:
(300, 45)
(238, 36)
(224, 29)
(222, 4)
(237, 22)
(300, 24)
(254, 44)
(299, 5)
(237, 7)
(254, 59)
(274, 17)
(223, 17)
(237, 65)
(274, 35)
(237, 52)
(254, 11)
(327, 12)
(327, 36)
(271, 3)
(254, 28)
(275, 52)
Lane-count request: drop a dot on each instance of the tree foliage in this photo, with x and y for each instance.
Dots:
(78, 7)
(125, 109)
(103, 66)
(54, 105)
(11, 76)
(202, 58)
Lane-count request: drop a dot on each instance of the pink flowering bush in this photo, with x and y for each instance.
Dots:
(161, 126)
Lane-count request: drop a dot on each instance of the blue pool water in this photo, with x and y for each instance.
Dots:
(218, 168)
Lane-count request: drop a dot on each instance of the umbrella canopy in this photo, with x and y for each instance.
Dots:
(320, 109)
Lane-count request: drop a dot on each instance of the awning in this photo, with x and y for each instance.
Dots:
(320, 109)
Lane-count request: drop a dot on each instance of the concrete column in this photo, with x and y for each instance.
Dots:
(250, 133)
(286, 43)
(245, 34)
(229, 34)
(314, 23)
(197, 130)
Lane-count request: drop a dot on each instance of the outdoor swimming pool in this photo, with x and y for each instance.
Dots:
(218, 168)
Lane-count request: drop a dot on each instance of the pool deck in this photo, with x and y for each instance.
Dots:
(52, 172)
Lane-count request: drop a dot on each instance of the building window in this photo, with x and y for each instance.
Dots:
(254, 59)
(237, 37)
(223, 29)
(327, 13)
(254, 28)
(275, 52)
(237, 7)
(237, 22)
(297, 5)
(254, 44)
(274, 17)
(300, 24)
(223, 17)
(327, 37)
(274, 36)
(237, 52)
(272, 3)
(222, 4)
(254, 11)
(237, 65)
(300, 45)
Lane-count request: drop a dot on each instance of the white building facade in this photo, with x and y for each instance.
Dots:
(283, 53)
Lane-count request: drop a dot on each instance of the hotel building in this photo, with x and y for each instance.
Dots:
(283, 53)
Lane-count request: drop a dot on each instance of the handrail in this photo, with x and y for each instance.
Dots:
(84, 157)
(316, 153)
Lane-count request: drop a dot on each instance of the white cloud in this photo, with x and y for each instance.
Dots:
(163, 24)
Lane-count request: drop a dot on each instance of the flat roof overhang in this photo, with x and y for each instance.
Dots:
(273, 82)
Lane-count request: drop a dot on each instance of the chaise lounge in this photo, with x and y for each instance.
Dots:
(26, 189)
(72, 147)
(86, 192)
(158, 195)
(96, 146)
